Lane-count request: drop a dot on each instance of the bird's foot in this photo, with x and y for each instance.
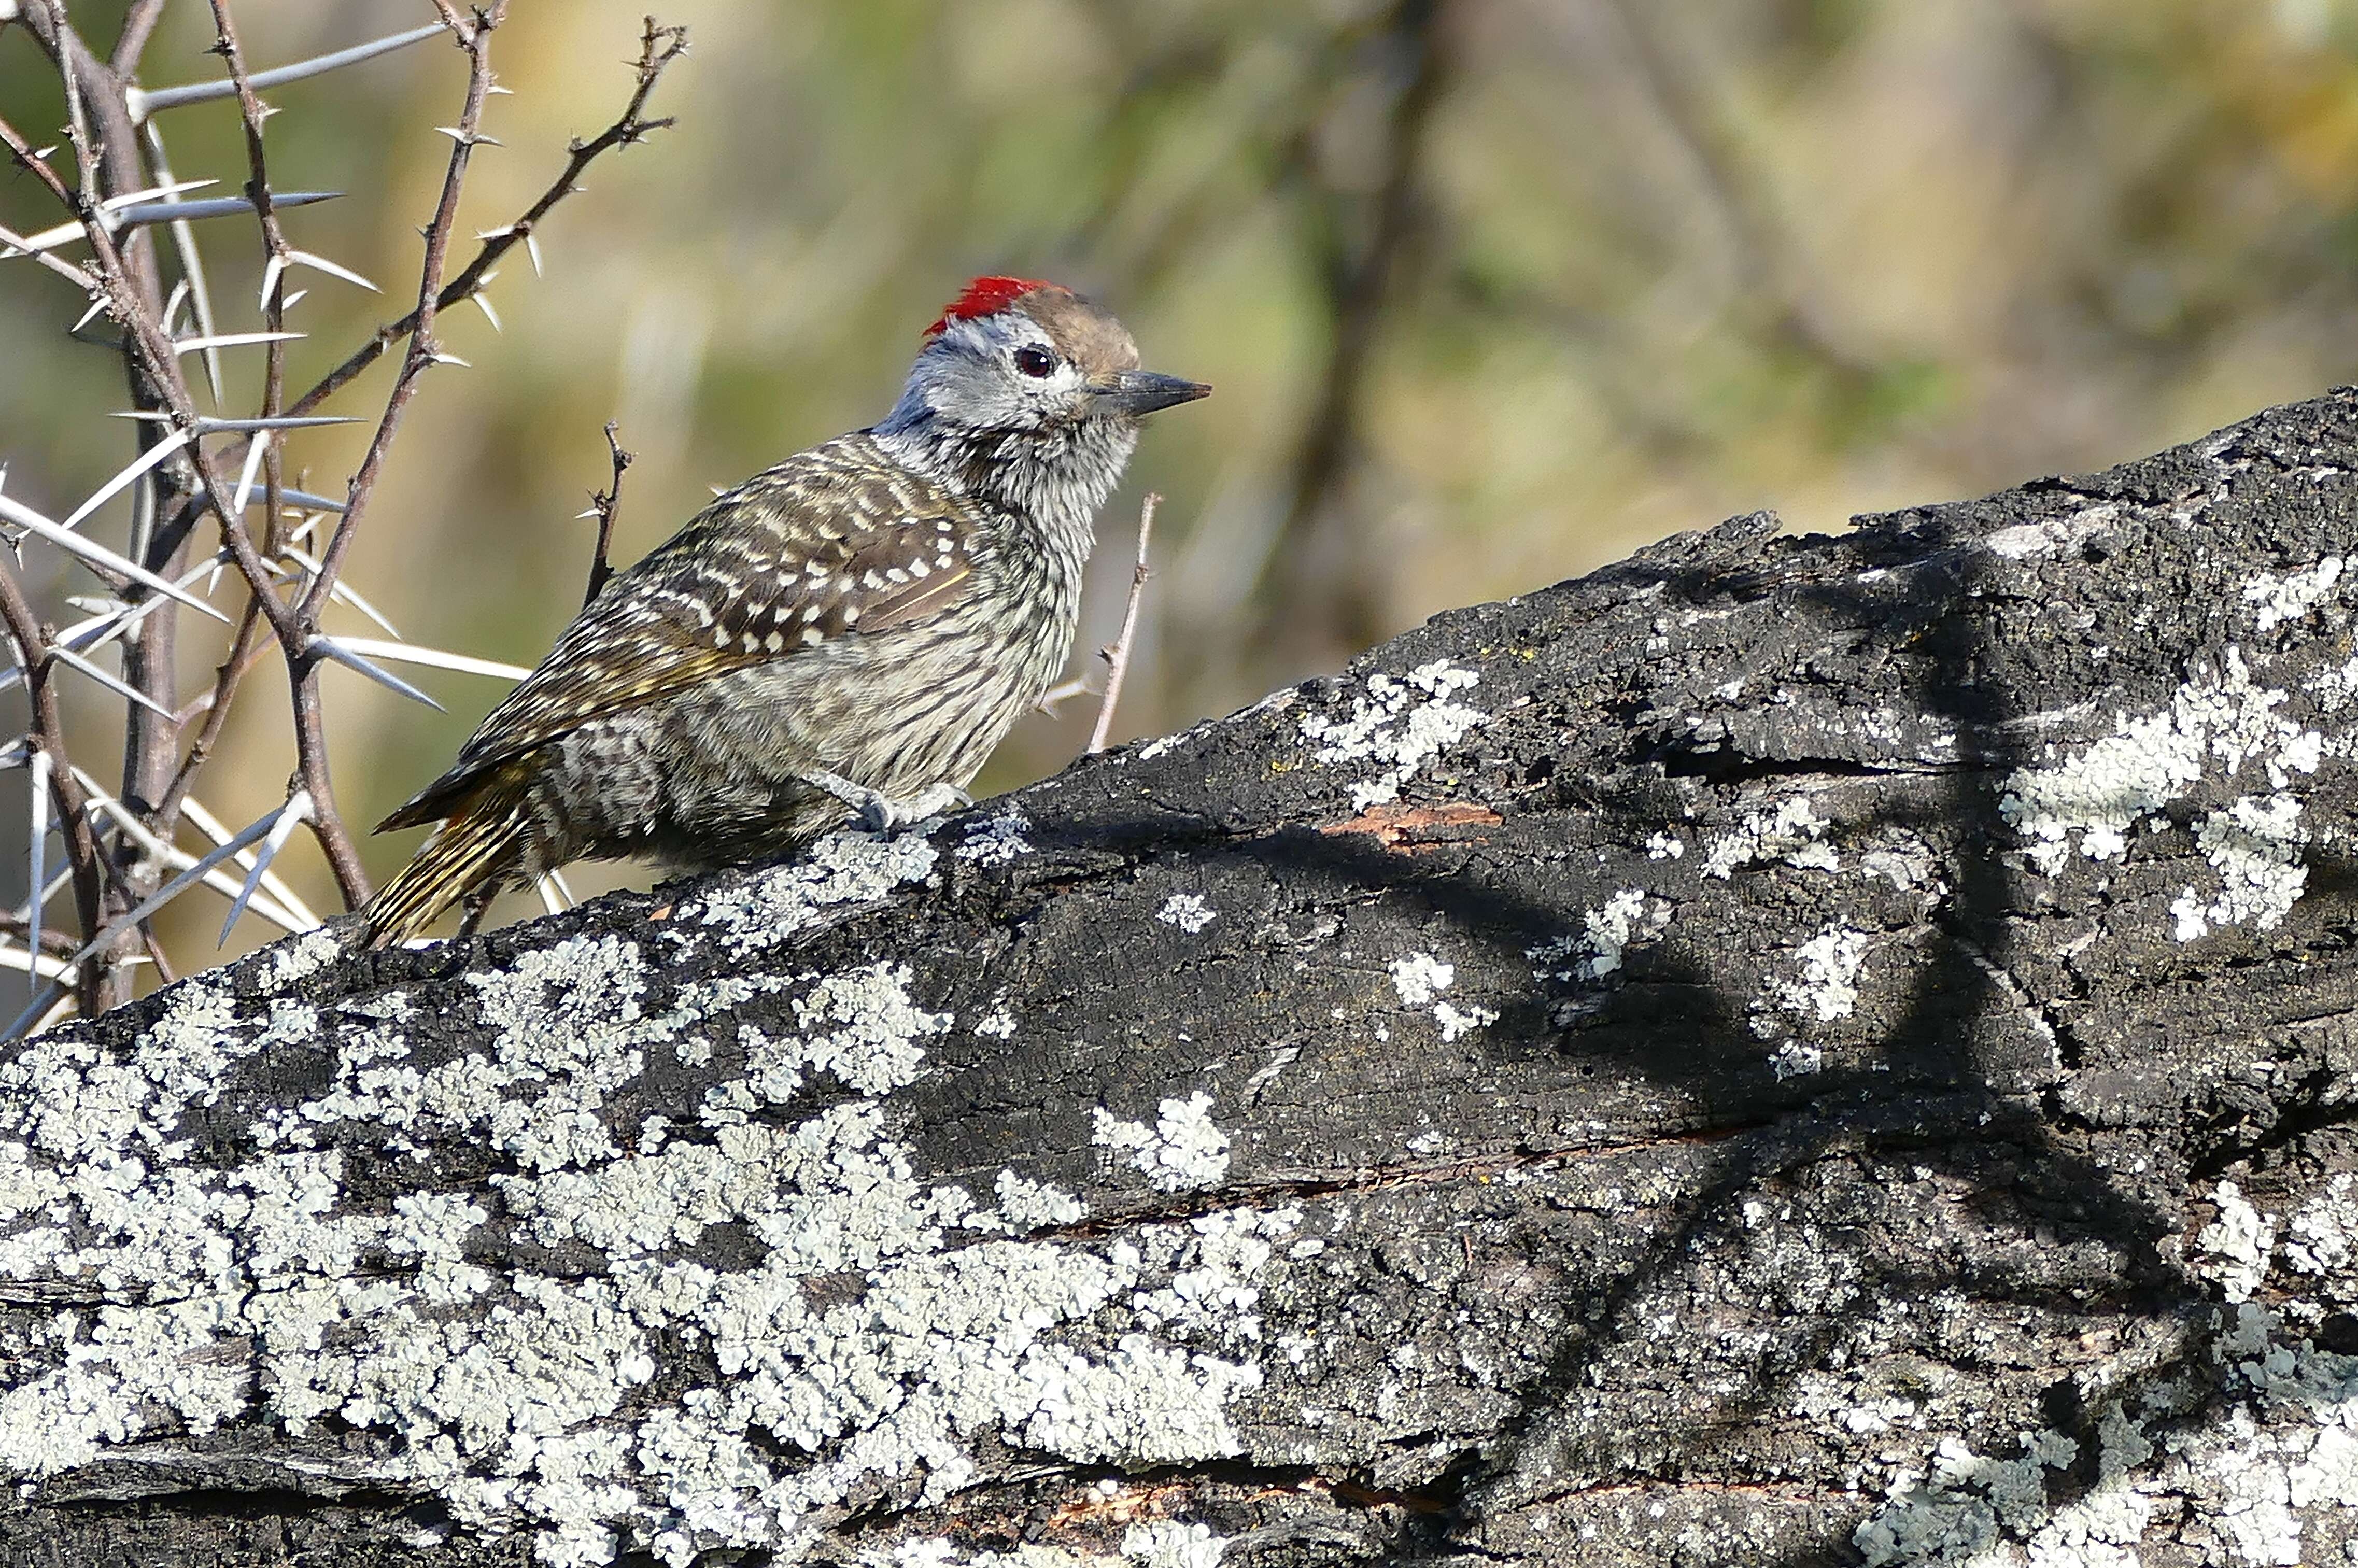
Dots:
(881, 813)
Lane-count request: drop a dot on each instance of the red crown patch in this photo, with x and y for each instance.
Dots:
(983, 296)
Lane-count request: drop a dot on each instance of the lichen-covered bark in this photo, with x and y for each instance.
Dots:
(1783, 1052)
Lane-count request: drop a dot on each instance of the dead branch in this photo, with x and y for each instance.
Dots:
(1117, 658)
(73, 810)
(606, 504)
(660, 46)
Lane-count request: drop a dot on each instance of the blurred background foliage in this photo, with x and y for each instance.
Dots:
(1492, 290)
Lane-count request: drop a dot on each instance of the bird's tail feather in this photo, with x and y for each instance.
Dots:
(478, 848)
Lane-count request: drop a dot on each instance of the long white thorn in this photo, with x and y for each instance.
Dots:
(293, 815)
(113, 683)
(211, 207)
(279, 422)
(131, 471)
(412, 654)
(254, 455)
(143, 105)
(231, 340)
(289, 496)
(164, 192)
(211, 826)
(334, 648)
(74, 543)
(321, 264)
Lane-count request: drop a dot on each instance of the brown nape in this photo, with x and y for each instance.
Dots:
(1083, 333)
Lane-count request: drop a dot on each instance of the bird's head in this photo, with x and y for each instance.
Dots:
(1015, 356)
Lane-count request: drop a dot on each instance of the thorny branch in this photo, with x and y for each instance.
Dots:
(659, 47)
(104, 106)
(108, 164)
(302, 664)
(606, 505)
(248, 637)
(73, 810)
(145, 332)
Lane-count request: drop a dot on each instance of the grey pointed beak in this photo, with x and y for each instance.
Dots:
(1136, 392)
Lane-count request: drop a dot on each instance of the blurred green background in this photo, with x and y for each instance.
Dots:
(1492, 290)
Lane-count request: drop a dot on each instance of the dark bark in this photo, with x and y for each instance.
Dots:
(1783, 1051)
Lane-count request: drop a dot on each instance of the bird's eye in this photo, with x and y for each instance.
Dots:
(1035, 361)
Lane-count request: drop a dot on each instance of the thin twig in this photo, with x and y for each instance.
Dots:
(138, 23)
(607, 504)
(659, 47)
(49, 733)
(110, 167)
(13, 242)
(1117, 658)
(302, 659)
(165, 810)
(155, 350)
(120, 279)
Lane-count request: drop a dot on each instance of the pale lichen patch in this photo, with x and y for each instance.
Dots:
(1824, 985)
(846, 868)
(996, 840)
(1455, 1021)
(1169, 1543)
(1420, 977)
(1606, 932)
(2092, 798)
(1187, 911)
(1182, 1150)
(2276, 600)
(1026, 1205)
(2233, 1248)
(1792, 832)
(1402, 724)
(2255, 847)
(522, 1400)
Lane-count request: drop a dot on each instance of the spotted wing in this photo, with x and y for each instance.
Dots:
(834, 543)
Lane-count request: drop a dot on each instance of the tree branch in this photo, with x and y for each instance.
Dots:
(606, 504)
(1117, 656)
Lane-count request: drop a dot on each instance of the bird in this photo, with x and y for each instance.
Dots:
(847, 635)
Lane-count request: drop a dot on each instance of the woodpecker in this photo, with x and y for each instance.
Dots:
(848, 635)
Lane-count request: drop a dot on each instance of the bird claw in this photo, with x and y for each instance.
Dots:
(881, 813)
